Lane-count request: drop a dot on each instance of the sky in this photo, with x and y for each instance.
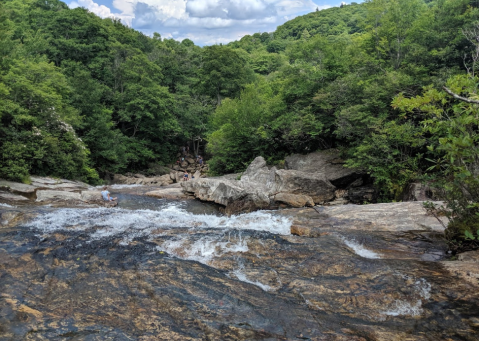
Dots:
(205, 22)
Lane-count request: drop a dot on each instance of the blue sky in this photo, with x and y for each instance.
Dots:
(206, 22)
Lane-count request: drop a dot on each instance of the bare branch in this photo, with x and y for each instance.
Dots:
(456, 96)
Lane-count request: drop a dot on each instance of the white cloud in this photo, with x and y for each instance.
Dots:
(100, 10)
(203, 21)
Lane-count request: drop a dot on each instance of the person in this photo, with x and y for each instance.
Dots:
(178, 161)
(200, 161)
(184, 150)
(185, 177)
(106, 195)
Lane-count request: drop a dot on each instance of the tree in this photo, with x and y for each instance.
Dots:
(223, 72)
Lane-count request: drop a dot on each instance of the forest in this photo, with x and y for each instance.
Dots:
(391, 84)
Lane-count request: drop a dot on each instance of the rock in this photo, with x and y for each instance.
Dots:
(179, 177)
(173, 176)
(197, 175)
(361, 195)
(7, 216)
(399, 216)
(294, 200)
(469, 256)
(140, 176)
(468, 271)
(91, 196)
(337, 201)
(184, 164)
(190, 160)
(218, 191)
(47, 195)
(12, 197)
(62, 184)
(173, 192)
(296, 182)
(256, 171)
(417, 191)
(17, 188)
(325, 162)
(245, 202)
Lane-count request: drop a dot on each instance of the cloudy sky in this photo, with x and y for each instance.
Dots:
(206, 22)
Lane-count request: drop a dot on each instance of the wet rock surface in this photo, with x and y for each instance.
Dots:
(155, 269)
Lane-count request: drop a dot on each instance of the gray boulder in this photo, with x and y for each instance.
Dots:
(294, 200)
(5, 196)
(48, 195)
(326, 162)
(218, 191)
(18, 188)
(91, 196)
(296, 182)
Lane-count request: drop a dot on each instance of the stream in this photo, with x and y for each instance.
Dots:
(156, 269)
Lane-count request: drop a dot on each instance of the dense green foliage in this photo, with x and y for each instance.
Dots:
(81, 97)
(333, 75)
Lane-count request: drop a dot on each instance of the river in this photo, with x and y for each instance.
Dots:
(154, 269)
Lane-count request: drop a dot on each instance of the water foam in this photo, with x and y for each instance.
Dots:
(241, 276)
(421, 291)
(110, 222)
(7, 205)
(404, 308)
(360, 250)
(205, 249)
(130, 224)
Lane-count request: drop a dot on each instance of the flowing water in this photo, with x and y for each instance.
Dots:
(168, 270)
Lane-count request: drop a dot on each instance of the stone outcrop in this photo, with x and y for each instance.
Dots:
(327, 163)
(296, 182)
(307, 180)
(294, 200)
(48, 190)
(172, 192)
(17, 188)
(390, 217)
(163, 180)
(40, 189)
(417, 191)
(48, 195)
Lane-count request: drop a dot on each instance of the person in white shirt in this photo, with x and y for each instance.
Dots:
(106, 195)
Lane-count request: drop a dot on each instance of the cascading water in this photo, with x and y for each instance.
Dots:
(168, 270)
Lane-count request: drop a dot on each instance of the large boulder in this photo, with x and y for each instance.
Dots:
(294, 200)
(296, 182)
(57, 184)
(17, 188)
(326, 162)
(417, 191)
(9, 197)
(172, 192)
(218, 191)
(91, 196)
(391, 217)
(48, 195)
(247, 202)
